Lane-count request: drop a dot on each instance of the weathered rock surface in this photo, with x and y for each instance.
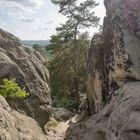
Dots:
(15, 126)
(95, 74)
(119, 120)
(62, 114)
(55, 130)
(27, 66)
(113, 75)
(114, 58)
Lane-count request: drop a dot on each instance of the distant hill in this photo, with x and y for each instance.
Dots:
(30, 43)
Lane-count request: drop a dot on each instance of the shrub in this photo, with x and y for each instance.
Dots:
(11, 89)
(64, 102)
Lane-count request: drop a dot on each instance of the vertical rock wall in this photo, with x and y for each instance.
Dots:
(113, 77)
(115, 59)
(95, 75)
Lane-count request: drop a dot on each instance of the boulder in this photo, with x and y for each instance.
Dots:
(62, 114)
(119, 120)
(15, 126)
(28, 67)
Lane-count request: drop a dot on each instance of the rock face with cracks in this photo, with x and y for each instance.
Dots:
(114, 55)
(119, 120)
(15, 126)
(27, 66)
(113, 75)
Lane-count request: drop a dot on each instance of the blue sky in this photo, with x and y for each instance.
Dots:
(34, 19)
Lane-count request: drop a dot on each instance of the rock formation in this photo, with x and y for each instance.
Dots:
(95, 74)
(114, 58)
(27, 66)
(15, 126)
(113, 83)
(119, 120)
(113, 74)
(61, 114)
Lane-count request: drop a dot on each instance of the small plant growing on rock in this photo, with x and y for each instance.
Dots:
(12, 89)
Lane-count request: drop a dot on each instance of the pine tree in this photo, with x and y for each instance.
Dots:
(79, 15)
(69, 49)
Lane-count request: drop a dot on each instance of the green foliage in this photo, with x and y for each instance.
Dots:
(64, 102)
(11, 89)
(68, 49)
(67, 102)
(79, 15)
(67, 69)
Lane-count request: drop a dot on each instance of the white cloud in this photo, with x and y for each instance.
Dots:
(49, 22)
(44, 28)
(27, 3)
(34, 19)
(20, 9)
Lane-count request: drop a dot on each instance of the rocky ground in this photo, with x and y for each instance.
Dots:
(15, 126)
(58, 132)
(119, 120)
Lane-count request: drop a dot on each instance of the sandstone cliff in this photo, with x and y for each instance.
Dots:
(113, 74)
(113, 59)
(15, 126)
(27, 66)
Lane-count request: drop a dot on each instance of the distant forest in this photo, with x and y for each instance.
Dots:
(30, 43)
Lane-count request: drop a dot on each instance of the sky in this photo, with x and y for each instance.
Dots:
(35, 19)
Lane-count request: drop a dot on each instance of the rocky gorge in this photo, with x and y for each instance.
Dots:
(113, 83)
